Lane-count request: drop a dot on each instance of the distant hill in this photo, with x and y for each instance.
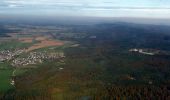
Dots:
(3, 32)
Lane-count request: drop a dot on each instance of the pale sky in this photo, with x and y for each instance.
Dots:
(92, 8)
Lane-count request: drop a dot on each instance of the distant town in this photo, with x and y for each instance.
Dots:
(30, 59)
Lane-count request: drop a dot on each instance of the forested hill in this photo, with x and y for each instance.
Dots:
(128, 34)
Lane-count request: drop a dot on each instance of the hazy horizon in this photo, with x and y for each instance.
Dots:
(96, 8)
(80, 20)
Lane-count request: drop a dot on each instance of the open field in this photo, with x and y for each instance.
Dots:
(26, 40)
(13, 44)
(41, 42)
(30, 42)
(40, 38)
(44, 44)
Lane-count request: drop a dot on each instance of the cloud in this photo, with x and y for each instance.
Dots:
(79, 4)
(90, 7)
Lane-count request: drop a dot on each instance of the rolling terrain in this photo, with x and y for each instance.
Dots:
(96, 64)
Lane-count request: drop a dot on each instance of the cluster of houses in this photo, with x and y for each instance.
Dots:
(150, 52)
(13, 56)
(7, 55)
(145, 51)
(36, 58)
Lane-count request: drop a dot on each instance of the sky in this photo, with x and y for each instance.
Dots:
(91, 8)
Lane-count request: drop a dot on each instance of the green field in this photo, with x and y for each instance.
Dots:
(5, 76)
(12, 44)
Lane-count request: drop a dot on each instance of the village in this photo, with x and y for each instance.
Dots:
(6, 55)
(14, 58)
(150, 52)
(36, 58)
